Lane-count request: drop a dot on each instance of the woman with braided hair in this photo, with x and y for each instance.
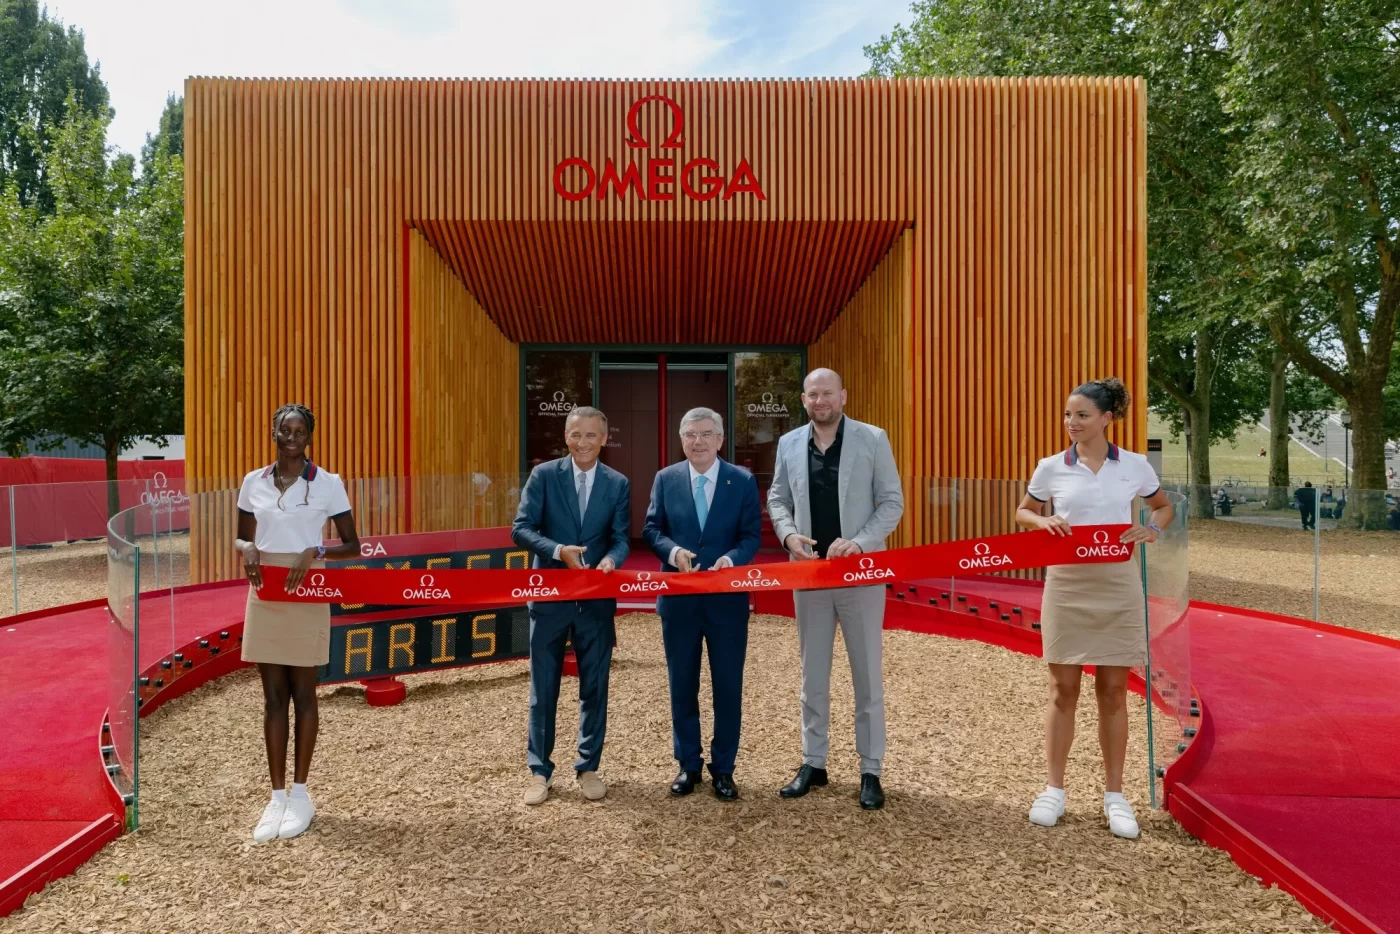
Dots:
(282, 510)
(1092, 614)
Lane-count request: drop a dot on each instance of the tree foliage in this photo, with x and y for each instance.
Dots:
(41, 63)
(92, 298)
(169, 138)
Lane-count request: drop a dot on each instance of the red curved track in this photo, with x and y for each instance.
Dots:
(1296, 770)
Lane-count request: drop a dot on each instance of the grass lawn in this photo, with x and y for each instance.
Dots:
(1241, 459)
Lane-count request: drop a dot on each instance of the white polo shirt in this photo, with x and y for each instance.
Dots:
(1086, 498)
(291, 522)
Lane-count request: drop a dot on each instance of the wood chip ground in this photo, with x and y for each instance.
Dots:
(421, 828)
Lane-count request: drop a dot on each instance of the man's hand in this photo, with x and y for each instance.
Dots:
(800, 546)
(685, 560)
(724, 562)
(843, 548)
(572, 556)
(607, 565)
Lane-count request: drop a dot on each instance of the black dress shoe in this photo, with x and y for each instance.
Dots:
(806, 779)
(685, 783)
(872, 796)
(725, 789)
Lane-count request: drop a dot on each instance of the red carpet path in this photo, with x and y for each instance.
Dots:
(1298, 755)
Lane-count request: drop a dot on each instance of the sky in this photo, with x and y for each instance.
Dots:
(146, 48)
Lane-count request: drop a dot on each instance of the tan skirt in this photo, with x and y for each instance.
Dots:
(295, 634)
(1092, 614)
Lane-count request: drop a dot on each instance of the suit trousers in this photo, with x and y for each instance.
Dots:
(689, 627)
(861, 612)
(593, 633)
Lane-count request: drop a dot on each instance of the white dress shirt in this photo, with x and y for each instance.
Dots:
(291, 521)
(711, 478)
(589, 475)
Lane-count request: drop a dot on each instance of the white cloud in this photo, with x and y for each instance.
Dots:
(148, 47)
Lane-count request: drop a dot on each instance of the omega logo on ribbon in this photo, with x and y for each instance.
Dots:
(700, 179)
(1100, 538)
(318, 580)
(536, 580)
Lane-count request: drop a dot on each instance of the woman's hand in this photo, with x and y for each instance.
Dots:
(252, 565)
(1138, 533)
(1055, 525)
(298, 571)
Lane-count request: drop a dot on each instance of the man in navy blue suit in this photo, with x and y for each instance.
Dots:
(704, 514)
(574, 512)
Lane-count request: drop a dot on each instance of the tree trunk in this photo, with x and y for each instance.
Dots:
(1366, 497)
(1279, 425)
(1197, 421)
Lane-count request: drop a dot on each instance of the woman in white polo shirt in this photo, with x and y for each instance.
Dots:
(282, 510)
(1092, 614)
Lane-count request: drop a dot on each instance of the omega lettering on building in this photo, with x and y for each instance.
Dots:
(767, 406)
(656, 179)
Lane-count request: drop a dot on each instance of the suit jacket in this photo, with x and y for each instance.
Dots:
(548, 516)
(732, 527)
(872, 499)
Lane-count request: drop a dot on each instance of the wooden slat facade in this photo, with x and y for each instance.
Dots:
(1011, 210)
(464, 379)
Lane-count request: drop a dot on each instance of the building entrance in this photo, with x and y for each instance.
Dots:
(645, 392)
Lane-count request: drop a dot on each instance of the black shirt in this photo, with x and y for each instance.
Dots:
(823, 476)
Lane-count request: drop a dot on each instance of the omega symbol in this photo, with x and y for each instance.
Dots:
(536, 580)
(317, 580)
(767, 398)
(755, 574)
(160, 480)
(636, 140)
(559, 396)
(644, 576)
(1100, 538)
(425, 581)
(867, 563)
(981, 548)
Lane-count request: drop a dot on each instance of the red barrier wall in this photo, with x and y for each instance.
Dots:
(60, 499)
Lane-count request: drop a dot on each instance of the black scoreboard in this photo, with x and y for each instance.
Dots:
(398, 640)
(418, 643)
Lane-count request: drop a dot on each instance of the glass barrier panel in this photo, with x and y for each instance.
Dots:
(122, 746)
(9, 587)
(1172, 713)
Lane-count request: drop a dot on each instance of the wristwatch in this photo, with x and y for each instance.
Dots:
(320, 552)
(1155, 527)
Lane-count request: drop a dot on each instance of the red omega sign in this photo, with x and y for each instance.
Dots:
(700, 179)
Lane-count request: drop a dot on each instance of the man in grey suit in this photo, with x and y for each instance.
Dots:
(574, 512)
(836, 493)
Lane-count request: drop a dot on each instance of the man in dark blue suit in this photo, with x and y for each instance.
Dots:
(704, 514)
(574, 512)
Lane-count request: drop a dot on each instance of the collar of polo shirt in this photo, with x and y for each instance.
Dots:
(1072, 454)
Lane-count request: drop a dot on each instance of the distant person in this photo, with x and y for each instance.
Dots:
(1092, 613)
(1263, 452)
(281, 511)
(1306, 496)
(1222, 502)
(1392, 518)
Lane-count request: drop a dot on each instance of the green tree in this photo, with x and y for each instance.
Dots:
(1196, 310)
(41, 62)
(92, 299)
(169, 138)
(1314, 93)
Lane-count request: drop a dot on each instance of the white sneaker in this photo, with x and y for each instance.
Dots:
(270, 822)
(1121, 819)
(298, 817)
(1047, 809)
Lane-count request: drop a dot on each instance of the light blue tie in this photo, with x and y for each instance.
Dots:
(702, 508)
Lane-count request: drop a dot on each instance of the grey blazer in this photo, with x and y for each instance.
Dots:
(872, 499)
